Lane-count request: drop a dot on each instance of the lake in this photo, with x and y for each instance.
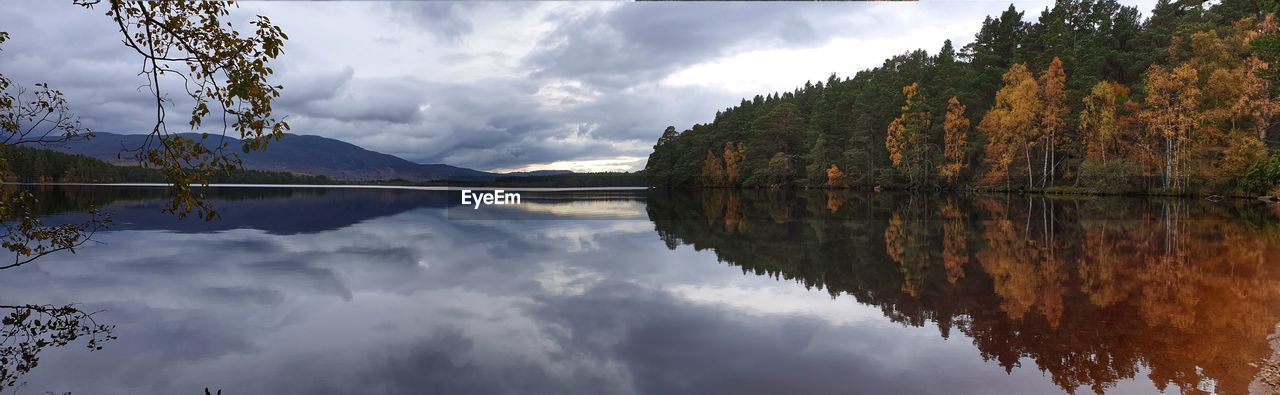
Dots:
(377, 291)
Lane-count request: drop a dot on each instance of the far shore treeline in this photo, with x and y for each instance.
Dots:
(30, 165)
(1090, 97)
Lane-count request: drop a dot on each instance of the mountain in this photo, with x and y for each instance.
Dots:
(536, 173)
(302, 154)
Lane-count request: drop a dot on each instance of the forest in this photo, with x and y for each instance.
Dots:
(31, 165)
(1091, 97)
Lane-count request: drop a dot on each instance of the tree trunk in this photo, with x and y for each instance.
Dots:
(1053, 157)
(1168, 162)
(1030, 180)
(1044, 168)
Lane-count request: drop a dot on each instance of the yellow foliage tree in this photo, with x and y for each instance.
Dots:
(1053, 92)
(1012, 121)
(907, 136)
(1211, 111)
(1098, 120)
(1173, 99)
(1255, 107)
(955, 129)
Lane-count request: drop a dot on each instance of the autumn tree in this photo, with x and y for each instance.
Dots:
(734, 154)
(955, 129)
(193, 48)
(712, 171)
(835, 177)
(1171, 115)
(1217, 101)
(224, 74)
(1053, 85)
(1238, 108)
(907, 138)
(222, 71)
(36, 118)
(1255, 107)
(1013, 122)
(1098, 121)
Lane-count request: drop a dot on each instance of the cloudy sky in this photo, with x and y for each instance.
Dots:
(506, 85)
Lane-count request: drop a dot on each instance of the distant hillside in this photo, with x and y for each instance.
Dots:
(301, 154)
(33, 165)
(536, 173)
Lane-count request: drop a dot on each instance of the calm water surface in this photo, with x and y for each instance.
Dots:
(318, 291)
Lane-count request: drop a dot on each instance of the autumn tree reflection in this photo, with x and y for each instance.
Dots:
(28, 329)
(1094, 291)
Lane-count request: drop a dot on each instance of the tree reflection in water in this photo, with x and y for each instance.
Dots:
(28, 329)
(1092, 290)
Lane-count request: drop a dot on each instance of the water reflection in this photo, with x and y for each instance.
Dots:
(1093, 291)
(382, 292)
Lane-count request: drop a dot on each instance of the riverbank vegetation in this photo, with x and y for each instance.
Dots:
(1090, 97)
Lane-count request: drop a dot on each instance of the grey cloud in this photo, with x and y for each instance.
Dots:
(97, 74)
(499, 123)
(447, 20)
(641, 42)
(386, 100)
(302, 88)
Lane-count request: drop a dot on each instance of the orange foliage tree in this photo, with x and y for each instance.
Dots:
(734, 154)
(835, 177)
(712, 171)
(955, 129)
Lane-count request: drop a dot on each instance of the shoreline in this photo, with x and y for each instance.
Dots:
(344, 186)
(984, 190)
(974, 190)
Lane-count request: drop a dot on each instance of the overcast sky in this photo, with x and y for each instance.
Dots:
(506, 86)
